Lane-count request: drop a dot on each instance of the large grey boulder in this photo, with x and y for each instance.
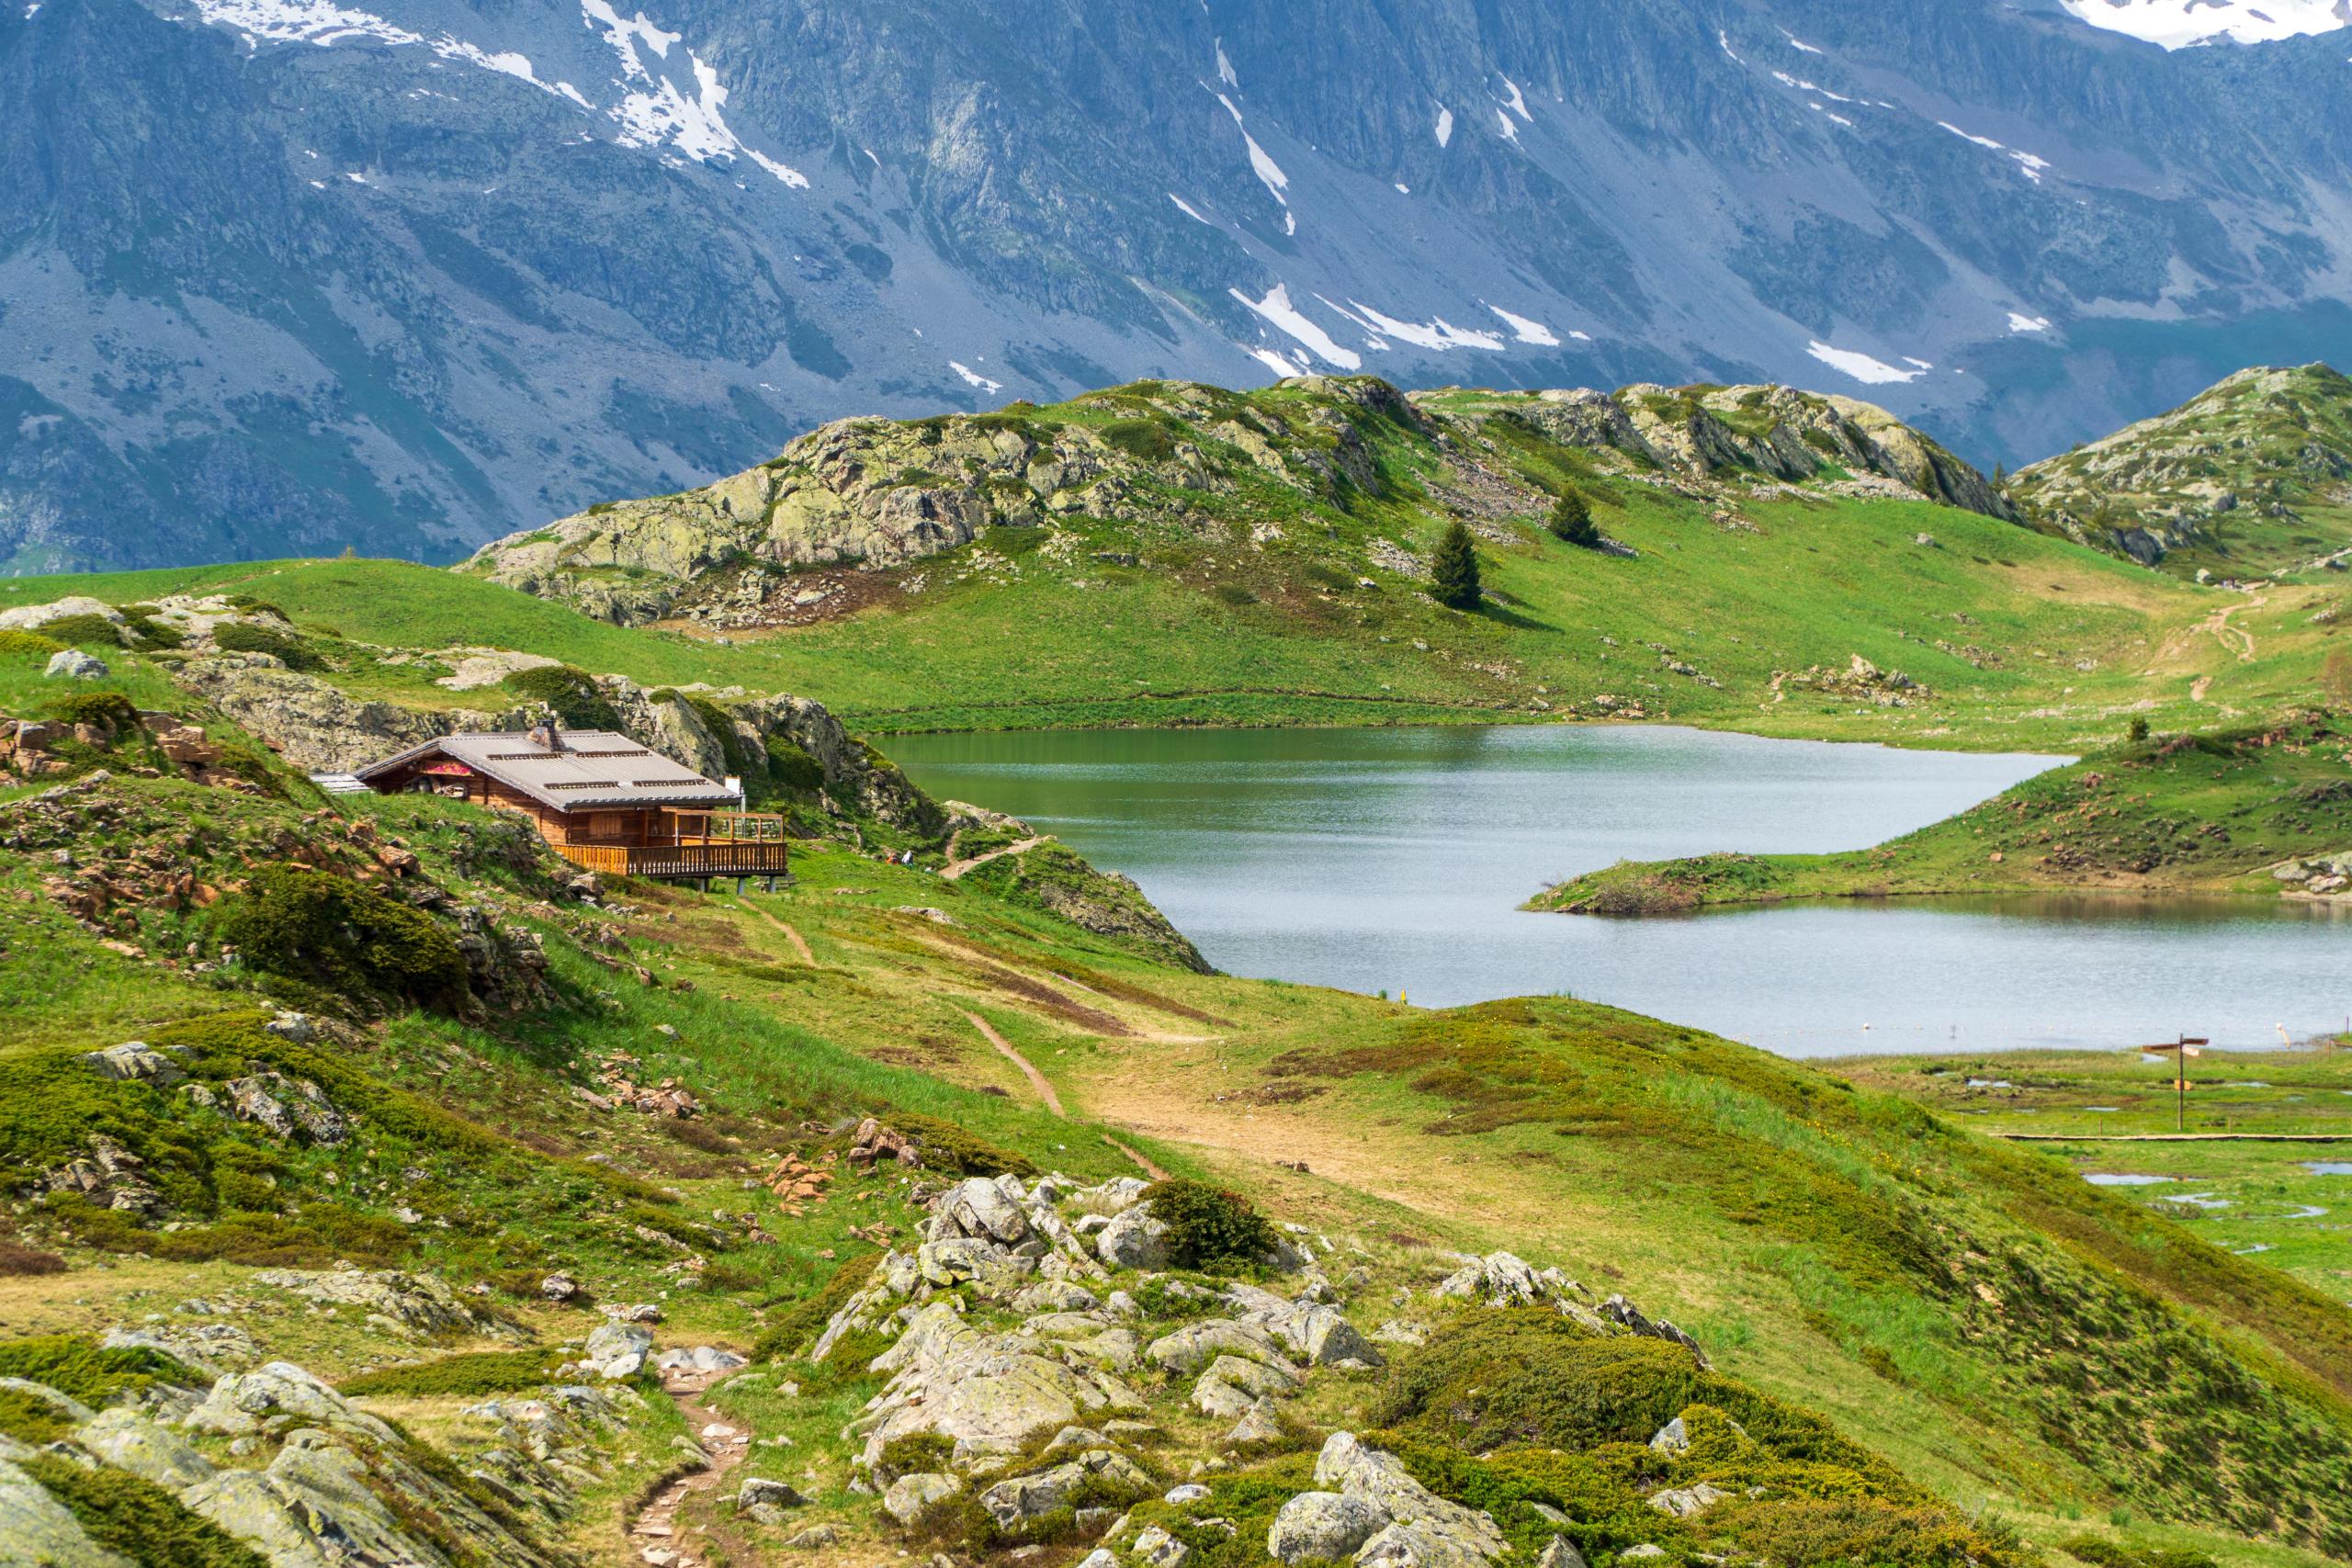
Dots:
(618, 1350)
(278, 1395)
(1133, 1239)
(1102, 1474)
(1561, 1552)
(1194, 1346)
(32, 617)
(1427, 1530)
(1682, 1501)
(1324, 1527)
(911, 1496)
(421, 1303)
(988, 1392)
(130, 1440)
(73, 664)
(979, 1208)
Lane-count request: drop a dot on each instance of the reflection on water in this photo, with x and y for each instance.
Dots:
(1392, 859)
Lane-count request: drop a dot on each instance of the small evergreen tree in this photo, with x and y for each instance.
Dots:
(1454, 569)
(1572, 521)
(2137, 729)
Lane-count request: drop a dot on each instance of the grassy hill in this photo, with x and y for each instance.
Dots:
(2251, 478)
(2006, 1357)
(1738, 598)
(2201, 812)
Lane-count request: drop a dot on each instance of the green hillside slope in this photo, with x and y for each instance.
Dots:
(2252, 478)
(1935, 1347)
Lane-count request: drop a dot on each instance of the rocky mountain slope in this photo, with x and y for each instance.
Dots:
(1162, 457)
(286, 277)
(2250, 478)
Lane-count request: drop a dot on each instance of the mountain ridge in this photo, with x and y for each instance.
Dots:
(306, 321)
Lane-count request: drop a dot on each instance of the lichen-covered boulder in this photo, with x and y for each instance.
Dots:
(1323, 1527)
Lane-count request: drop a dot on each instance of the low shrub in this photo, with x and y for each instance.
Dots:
(2115, 1555)
(798, 1325)
(569, 692)
(248, 637)
(312, 1237)
(29, 1418)
(82, 631)
(78, 1365)
(1207, 1225)
(946, 1147)
(138, 1519)
(479, 1372)
(28, 647)
(110, 711)
(20, 1261)
(1152, 440)
(351, 939)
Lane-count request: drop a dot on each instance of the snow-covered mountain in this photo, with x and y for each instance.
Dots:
(2176, 24)
(285, 274)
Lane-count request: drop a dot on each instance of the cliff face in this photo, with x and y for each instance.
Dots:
(873, 494)
(2251, 477)
(281, 279)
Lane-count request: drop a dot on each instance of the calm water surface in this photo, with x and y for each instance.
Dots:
(1392, 859)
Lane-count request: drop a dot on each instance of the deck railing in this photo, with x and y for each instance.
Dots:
(715, 858)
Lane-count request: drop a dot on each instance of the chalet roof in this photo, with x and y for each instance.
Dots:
(590, 768)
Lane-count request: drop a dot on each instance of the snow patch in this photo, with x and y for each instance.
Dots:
(1724, 38)
(1225, 67)
(2020, 323)
(1273, 360)
(1517, 101)
(1920, 363)
(1187, 209)
(1444, 125)
(1797, 43)
(1269, 172)
(975, 378)
(1404, 189)
(1510, 131)
(1438, 333)
(1278, 310)
(1527, 331)
(2178, 24)
(2028, 164)
(1860, 366)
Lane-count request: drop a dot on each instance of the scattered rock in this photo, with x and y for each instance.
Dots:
(1681, 1502)
(1324, 1527)
(911, 1496)
(618, 1350)
(73, 664)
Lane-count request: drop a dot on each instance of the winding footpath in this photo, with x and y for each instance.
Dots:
(791, 933)
(654, 1532)
(1038, 1080)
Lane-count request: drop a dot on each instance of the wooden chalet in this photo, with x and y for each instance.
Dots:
(600, 800)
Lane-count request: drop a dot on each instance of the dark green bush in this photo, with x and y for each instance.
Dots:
(138, 1519)
(571, 693)
(946, 1147)
(101, 710)
(349, 938)
(1208, 1225)
(82, 631)
(248, 637)
(153, 633)
(470, 1375)
(2115, 1555)
(29, 1418)
(1149, 439)
(797, 1326)
(81, 1368)
(794, 769)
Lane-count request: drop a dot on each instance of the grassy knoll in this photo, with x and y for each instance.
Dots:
(2021, 641)
(2202, 812)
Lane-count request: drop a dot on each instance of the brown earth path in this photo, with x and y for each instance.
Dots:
(655, 1532)
(791, 932)
(955, 870)
(1038, 1080)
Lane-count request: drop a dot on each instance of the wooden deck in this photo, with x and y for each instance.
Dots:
(718, 858)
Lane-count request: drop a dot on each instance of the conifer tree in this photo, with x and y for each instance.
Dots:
(1572, 521)
(1454, 569)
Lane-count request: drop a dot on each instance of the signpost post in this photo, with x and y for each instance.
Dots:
(2186, 1046)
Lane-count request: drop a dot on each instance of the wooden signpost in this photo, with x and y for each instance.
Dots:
(2186, 1046)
